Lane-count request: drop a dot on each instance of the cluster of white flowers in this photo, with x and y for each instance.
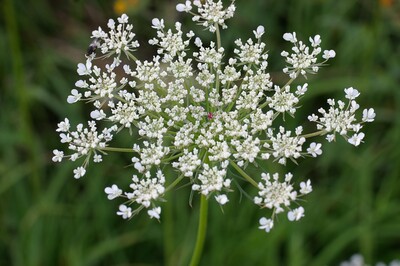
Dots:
(201, 113)
(276, 195)
(358, 260)
(84, 142)
(301, 61)
(342, 119)
(210, 14)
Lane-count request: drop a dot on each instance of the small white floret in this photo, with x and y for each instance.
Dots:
(296, 214)
(351, 93)
(356, 139)
(222, 199)
(259, 32)
(368, 115)
(290, 37)
(198, 42)
(301, 90)
(74, 97)
(184, 7)
(266, 224)
(81, 84)
(98, 114)
(123, 19)
(315, 149)
(155, 213)
(58, 156)
(84, 69)
(113, 192)
(316, 41)
(305, 187)
(124, 211)
(97, 158)
(79, 172)
(330, 137)
(329, 54)
(158, 24)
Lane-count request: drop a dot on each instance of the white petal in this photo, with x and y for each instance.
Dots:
(180, 7)
(368, 115)
(290, 37)
(154, 213)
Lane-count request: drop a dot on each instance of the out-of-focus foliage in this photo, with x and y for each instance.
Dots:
(48, 218)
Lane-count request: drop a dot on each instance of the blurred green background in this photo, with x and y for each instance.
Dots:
(49, 218)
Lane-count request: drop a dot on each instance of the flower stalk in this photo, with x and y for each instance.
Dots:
(201, 232)
(243, 174)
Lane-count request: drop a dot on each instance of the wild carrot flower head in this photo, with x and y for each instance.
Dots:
(202, 113)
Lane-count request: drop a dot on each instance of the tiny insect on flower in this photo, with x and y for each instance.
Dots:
(92, 47)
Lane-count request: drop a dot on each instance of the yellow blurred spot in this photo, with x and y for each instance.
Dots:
(119, 6)
(122, 6)
(386, 3)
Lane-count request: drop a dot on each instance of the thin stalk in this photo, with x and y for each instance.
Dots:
(130, 55)
(239, 90)
(173, 184)
(114, 149)
(201, 232)
(243, 173)
(172, 158)
(168, 226)
(218, 36)
(219, 66)
(314, 134)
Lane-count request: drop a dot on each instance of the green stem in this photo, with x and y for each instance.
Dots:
(130, 55)
(114, 149)
(172, 158)
(243, 173)
(218, 36)
(173, 184)
(239, 88)
(201, 232)
(219, 66)
(168, 226)
(314, 134)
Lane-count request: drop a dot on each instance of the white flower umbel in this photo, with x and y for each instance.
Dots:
(211, 14)
(211, 179)
(341, 118)
(303, 60)
(277, 195)
(200, 115)
(146, 189)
